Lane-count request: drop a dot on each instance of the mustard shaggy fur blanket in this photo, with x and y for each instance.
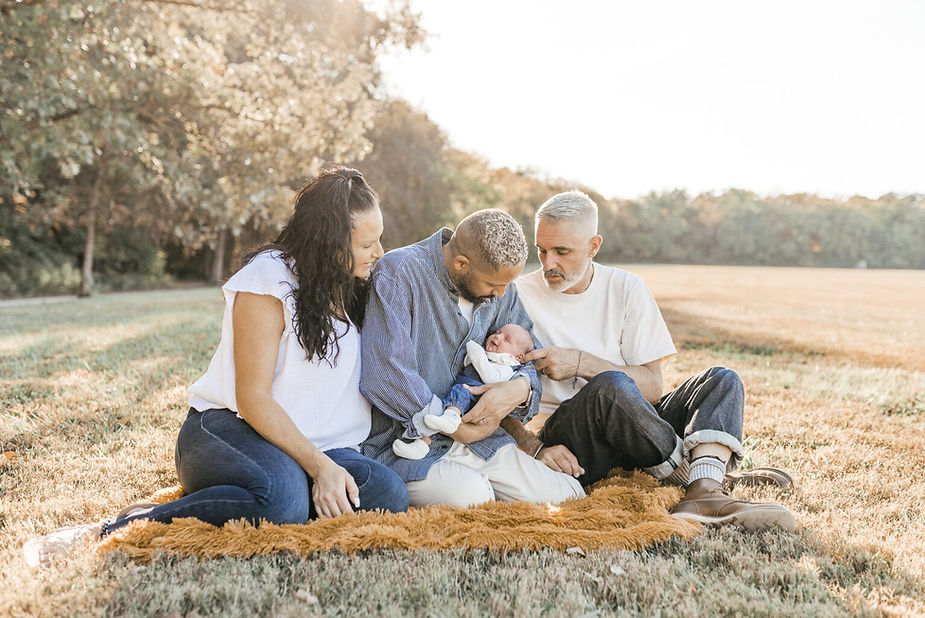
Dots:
(625, 511)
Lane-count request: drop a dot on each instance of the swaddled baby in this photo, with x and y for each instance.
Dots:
(503, 353)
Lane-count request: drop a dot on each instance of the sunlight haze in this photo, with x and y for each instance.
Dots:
(627, 98)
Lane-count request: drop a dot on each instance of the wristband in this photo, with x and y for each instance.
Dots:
(577, 367)
(526, 403)
(542, 446)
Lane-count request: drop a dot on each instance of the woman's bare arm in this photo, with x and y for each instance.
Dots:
(258, 325)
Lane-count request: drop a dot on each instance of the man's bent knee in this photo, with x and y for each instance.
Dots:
(726, 378)
(451, 484)
(621, 405)
(563, 487)
(615, 385)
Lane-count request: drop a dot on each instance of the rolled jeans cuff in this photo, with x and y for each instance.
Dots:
(712, 436)
(415, 428)
(664, 469)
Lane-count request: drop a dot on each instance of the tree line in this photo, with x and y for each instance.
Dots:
(148, 140)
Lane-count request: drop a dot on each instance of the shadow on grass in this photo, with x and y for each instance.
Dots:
(693, 332)
(193, 338)
(151, 362)
(108, 311)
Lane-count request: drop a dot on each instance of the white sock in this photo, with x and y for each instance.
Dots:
(707, 468)
(416, 449)
(448, 422)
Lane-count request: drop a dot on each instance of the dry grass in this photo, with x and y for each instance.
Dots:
(872, 318)
(92, 393)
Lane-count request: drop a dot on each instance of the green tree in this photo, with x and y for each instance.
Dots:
(87, 113)
(192, 117)
(409, 167)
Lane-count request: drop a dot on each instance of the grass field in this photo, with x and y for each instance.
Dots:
(92, 393)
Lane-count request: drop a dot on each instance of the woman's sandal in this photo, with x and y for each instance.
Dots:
(764, 476)
(41, 552)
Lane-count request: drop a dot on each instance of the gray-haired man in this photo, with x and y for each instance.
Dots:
(602, 380)
(426, 302)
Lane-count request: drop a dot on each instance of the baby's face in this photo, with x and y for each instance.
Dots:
(510, 338)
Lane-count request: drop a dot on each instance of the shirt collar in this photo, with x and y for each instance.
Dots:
(435, 251)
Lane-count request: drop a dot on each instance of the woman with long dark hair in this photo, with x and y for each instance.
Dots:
(275, 423)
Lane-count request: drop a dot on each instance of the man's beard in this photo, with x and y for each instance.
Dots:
(466, 292)
(564, 282)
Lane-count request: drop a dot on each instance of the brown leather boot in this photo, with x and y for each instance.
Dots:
(706, 502)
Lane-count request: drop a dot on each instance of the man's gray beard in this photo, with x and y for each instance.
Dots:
(564, 283)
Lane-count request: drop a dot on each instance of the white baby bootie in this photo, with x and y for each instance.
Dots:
(416, 449)
(448, 422)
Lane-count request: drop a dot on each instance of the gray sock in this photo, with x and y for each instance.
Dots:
(707, 468)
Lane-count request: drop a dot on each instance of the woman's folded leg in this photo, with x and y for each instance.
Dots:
(229, 471)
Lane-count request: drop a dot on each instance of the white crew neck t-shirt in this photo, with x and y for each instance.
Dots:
(467, 307)
(616, 319)
(324, 402)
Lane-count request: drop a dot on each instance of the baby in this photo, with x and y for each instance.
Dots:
(504, 351)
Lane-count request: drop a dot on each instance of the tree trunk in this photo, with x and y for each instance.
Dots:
(86, 271)
(218, 259)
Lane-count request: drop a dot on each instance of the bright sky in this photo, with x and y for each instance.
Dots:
(628, 97)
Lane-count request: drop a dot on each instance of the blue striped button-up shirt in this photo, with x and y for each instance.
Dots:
(414, 342)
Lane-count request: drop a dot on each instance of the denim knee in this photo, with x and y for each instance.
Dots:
(623, 396)
(615, 385)
(722, 409)
(727, 378)
(286, 500)
(380, 487)
(393, 496)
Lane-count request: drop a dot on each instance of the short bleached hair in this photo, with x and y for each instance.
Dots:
(572, 206)
(495, 237)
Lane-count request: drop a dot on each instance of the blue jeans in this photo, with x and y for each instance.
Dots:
(609, 424)
(229, 471)
(459, 395)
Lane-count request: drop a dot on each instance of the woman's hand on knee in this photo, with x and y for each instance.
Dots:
(334, 491)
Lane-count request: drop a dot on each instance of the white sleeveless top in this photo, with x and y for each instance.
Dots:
(324, 402)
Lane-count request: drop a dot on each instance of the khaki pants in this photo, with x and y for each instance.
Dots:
(462, 478)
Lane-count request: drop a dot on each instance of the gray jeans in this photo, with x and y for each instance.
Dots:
(609, 424)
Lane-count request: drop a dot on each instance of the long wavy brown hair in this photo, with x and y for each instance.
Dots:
(316, 244)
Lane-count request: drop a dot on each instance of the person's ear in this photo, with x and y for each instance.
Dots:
(595, 245)
(461, 263)
(520, 357)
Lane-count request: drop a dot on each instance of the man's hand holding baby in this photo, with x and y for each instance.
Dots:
(497, 401)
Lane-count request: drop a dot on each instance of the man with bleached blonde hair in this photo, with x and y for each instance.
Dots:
(426, 302)
(603, 398)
